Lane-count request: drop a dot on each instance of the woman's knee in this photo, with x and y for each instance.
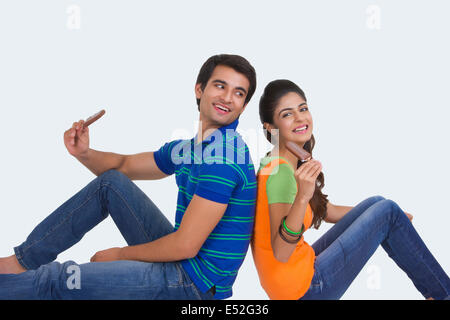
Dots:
(374, 199)
(391, 203)
(390, 209)
(395, 208)
(377, 198)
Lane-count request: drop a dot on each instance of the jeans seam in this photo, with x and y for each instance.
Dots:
(20, 258)
(180, 278)
(195, 290)
(107, 184)
(421, 260)
(373, 230)
(59, 224)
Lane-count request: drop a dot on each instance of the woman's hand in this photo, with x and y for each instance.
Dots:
(410, 216)
(306, 177)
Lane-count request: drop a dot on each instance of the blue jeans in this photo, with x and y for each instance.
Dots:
(343, 251)
(138, 220)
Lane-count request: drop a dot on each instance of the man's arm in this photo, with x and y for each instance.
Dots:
(199, 220)
(141, 166)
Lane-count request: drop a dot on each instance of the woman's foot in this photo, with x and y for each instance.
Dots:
(10, 265)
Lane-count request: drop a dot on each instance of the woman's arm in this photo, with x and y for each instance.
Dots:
(295, 213)
(335, 213)
(305, 177)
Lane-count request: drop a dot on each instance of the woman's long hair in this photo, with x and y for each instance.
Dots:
(273, 92)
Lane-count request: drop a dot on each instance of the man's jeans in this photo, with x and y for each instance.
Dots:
(138, 220)
(343, 251)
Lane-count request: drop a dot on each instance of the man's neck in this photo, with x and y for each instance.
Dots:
(205, 130)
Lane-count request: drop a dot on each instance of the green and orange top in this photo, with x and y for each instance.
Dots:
(290, 280)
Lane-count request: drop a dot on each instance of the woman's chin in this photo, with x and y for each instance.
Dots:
(300, 140)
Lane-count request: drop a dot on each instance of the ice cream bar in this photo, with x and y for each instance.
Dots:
(93, 118)
(298, 151)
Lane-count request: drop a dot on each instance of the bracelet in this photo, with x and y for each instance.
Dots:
(289, 231)
(282, 236)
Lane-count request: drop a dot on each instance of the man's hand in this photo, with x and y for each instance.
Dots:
(112, 254)
(76, 139)
(199, 220)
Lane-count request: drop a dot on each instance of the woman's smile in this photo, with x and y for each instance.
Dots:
(302, 129)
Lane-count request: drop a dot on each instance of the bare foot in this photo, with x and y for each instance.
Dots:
(430, 298)
(10, 265)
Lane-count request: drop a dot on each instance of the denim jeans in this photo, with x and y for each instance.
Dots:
(138, 220)
(343, 251)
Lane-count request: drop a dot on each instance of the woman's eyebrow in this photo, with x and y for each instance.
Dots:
(284, 110)
(289, 108)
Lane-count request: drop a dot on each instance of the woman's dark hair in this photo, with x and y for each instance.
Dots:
(273, 92)
(238, 63)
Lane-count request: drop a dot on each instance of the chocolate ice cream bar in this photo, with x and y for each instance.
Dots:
(298, 151)
(93, 118)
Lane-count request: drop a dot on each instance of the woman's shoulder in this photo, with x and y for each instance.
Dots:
(271, 165)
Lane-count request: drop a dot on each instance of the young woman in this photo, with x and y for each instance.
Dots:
(290, 201)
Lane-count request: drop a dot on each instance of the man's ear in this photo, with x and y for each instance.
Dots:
(198, 90)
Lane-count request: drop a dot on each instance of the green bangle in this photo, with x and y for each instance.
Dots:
(289, 231)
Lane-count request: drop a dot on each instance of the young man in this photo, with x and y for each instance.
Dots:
(199, 257)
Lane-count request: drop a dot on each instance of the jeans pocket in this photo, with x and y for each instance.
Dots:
(316, 282)
(315, 288)
(178, 279)
(189, 285)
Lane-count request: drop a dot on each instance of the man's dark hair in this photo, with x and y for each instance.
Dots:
(238, 63)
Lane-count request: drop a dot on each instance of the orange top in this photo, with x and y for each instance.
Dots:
(280, 280)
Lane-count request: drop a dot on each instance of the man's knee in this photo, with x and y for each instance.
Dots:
(113, 175)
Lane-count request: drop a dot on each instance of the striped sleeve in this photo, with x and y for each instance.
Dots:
(164, 158)
(216, 182)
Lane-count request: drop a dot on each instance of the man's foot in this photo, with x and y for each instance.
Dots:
(10, 265)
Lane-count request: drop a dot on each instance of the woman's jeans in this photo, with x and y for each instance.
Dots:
(138, 220)
(343, 251)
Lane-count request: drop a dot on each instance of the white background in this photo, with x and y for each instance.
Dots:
(376, 75)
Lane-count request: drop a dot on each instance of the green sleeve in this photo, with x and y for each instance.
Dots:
(281, 186)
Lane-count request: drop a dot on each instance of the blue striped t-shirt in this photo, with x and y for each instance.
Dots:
(218, 169)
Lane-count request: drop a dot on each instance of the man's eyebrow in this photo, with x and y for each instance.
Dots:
(224, 82)
(289, 108)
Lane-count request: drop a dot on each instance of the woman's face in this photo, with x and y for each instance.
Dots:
(292, 119)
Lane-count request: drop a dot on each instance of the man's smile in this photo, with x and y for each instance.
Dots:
(221, 108)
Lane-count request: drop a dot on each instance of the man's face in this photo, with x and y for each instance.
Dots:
(223, 98)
